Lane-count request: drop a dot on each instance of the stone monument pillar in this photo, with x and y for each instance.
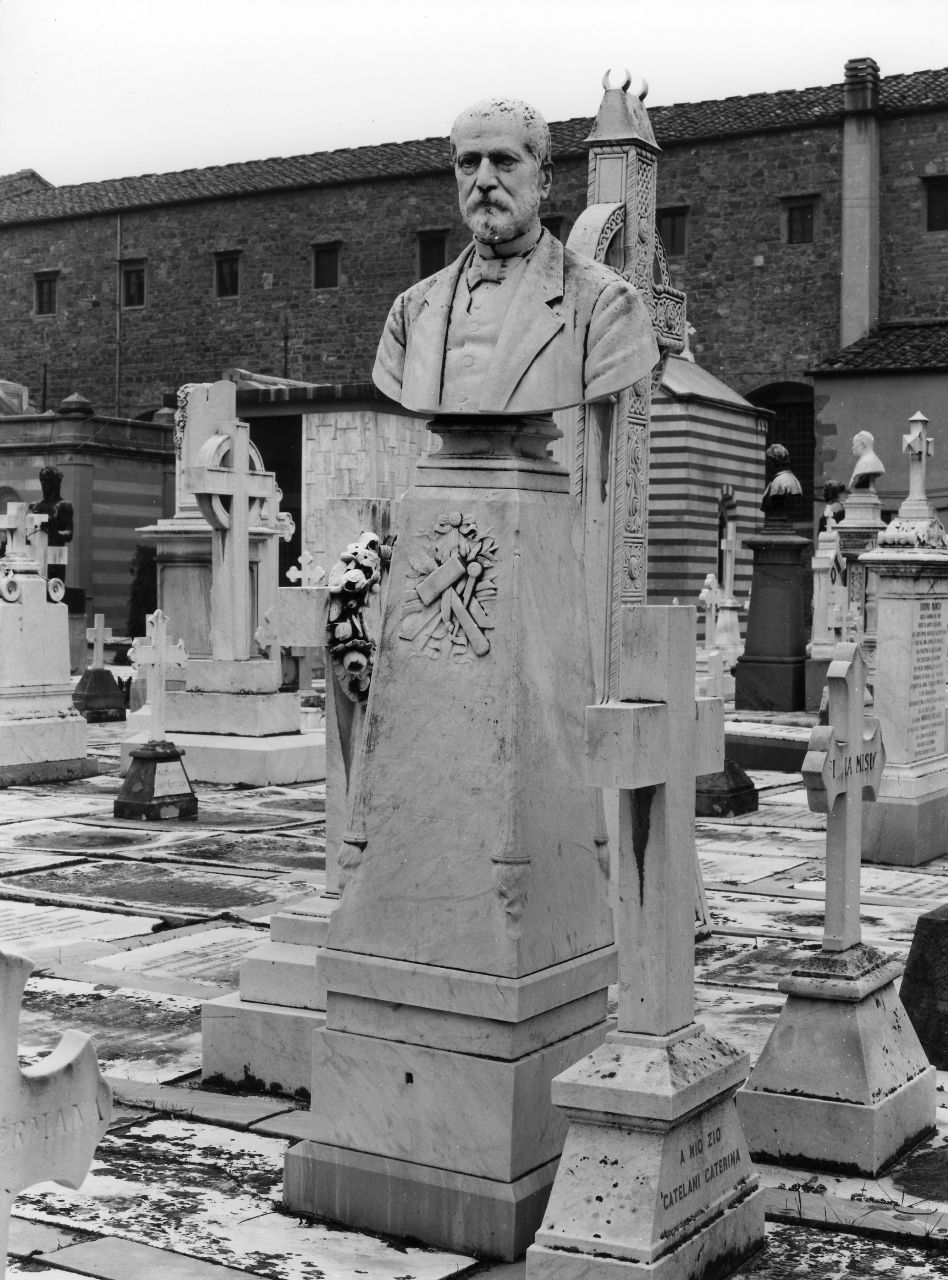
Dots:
(470, 953)
(908, 824)
(858, 532)
(771, 672)
(829, 612)
(42, 736)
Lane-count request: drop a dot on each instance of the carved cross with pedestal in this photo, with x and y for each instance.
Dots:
(98, 634)
(20, 524)
(156, 655)
(230, 484)
(52, 1115)
(709, 598)
(843, 767)
(652, 744)
(919, 448)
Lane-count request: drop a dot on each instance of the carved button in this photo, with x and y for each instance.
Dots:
(468, 360)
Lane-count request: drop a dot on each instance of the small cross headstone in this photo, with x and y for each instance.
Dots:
(843, 767)
(157, 655)
(98, 634)
(728, 559)
(652, 745)
(709, 598)
(919, 448)
(229, 487)
(52, 1115)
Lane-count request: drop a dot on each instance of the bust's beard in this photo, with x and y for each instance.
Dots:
(493, 225)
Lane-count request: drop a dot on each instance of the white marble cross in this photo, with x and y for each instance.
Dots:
(651, 745)
(919, 448)
(708, 599)
(225, 471)
(21, 524)
(52, 1115)
(728, 559)
(842, 768)
(98, 634)
(309, 573)
(156, 655)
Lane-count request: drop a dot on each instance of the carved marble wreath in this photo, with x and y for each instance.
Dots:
(450, 583)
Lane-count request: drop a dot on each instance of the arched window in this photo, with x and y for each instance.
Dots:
(793, 427)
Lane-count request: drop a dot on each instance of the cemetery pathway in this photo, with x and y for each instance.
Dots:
(132, 925)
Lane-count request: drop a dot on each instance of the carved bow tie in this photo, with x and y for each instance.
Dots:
(491, 269)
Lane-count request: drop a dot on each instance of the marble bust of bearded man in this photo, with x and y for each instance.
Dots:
(518, 324)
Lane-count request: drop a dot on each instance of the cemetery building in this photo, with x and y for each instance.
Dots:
(117, 473)
(799, 223)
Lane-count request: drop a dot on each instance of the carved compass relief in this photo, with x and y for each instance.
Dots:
(450, 586)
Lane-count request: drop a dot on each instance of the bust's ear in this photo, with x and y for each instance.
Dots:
(545, 179)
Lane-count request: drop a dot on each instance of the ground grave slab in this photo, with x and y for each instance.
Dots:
(233, 818)
(12, 863)
(205, 956)
(139, 1035)
(210, 1193)
(722, 867)
(285, 852)
(46, 930)
(161, 887)
(71, 837)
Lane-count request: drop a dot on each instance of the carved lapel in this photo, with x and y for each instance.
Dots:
(528, 326)
(424, 359)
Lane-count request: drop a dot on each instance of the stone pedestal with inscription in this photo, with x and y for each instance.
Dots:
(908, 824)
(471, 950)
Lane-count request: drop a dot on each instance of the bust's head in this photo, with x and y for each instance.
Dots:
(51, 479)
(863, 442)
(502, 161)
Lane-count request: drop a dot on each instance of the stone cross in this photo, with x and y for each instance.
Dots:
(309, 573)
(843, 767)
(229, 485)
(709, 598)
(651, 745)
(157, 655)
(20, 525)
(728, 559)
(919, 448)
(98, 634)
(52, 1115)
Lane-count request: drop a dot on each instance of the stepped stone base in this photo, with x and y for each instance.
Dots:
(242, 1040)
(255, 762)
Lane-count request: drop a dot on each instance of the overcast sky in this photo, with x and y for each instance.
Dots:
(93, 89)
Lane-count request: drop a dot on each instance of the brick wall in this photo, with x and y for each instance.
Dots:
(764, 310)
(914, 261)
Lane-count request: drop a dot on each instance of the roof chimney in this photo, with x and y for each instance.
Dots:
(859, 250)
(861, 87)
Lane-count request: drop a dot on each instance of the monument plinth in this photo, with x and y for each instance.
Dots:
(471, 950)
(771, 672)
(842, 1082)
(908, 824)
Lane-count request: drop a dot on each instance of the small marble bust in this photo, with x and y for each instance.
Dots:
(518, 324)
(868, 465)
(782, 489)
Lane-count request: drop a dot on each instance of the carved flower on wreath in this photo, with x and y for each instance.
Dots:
(451, 582)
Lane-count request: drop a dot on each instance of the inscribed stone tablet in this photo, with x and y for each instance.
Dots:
(926, 704)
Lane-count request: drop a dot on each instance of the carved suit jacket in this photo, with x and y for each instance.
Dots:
(574, 331)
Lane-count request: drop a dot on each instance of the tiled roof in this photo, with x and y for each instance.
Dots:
(895, 348)
(681, 122)
(23, 182)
